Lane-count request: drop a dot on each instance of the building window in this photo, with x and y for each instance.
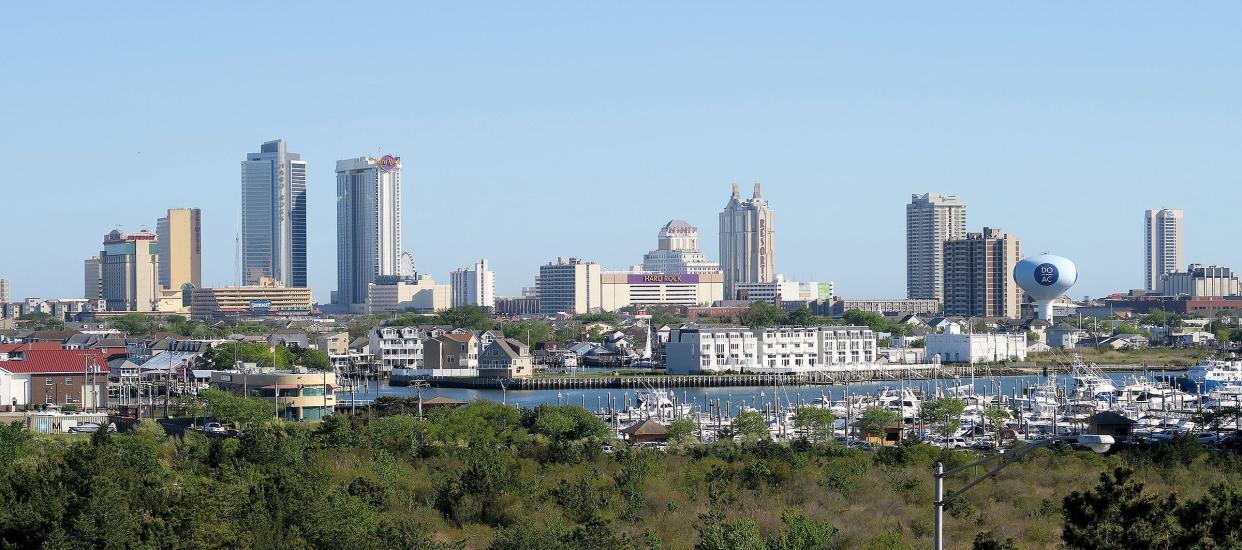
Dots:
(68, 381)
(48, 382)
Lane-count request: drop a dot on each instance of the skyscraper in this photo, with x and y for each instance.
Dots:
(5, 292)
(747, 251)
(273, 233)
(931, 219)
(978, 278)
(677, 252)
(130, 271)
(1163, 244)
(474, 287)
(180, 248)
(368, 225)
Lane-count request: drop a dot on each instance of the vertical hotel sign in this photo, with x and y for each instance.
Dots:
(763, 248)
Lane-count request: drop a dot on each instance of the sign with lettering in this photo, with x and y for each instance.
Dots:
(658, 278)
(1047, 274)
(260, 305)
(387, 163)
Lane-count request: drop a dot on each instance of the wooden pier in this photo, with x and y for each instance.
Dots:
(891, 373)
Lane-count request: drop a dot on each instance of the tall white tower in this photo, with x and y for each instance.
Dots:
(368, 225)
(747, 241)
(931, 219)
(1163, 245)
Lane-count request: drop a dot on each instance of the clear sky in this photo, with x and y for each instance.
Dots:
(533, 130)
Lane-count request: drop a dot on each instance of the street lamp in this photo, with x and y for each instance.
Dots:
(1097, 443)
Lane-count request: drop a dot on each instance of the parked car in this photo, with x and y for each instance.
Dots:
(950, 443)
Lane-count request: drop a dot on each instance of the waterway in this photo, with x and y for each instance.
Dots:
(598, 398)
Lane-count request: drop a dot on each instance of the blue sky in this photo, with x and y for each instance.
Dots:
(534, 130)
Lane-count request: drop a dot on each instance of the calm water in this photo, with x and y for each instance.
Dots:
(754, 395)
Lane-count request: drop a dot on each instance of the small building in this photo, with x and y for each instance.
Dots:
(1065, 336)
(1110, 423)
(298, 394)
(646, 431)
(31, 377)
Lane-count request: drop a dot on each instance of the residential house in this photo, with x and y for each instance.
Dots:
(506, 358)
(452, 354)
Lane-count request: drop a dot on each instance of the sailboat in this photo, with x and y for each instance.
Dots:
(644, 358)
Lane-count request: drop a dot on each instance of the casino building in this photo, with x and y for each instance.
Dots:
(623, 289)
(677, 251)
(268, 298)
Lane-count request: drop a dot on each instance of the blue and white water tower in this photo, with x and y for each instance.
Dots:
(1045, 278)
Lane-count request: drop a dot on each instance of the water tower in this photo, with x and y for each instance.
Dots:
(1045, 278)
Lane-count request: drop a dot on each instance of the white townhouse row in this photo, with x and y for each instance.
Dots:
(704, 350)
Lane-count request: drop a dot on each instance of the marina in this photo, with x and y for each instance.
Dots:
(1063, 402)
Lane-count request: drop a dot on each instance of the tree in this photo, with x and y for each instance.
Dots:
(133, 324)
(223, 356)
(988, 541)
(996, 418)
(815, 421)
(875, 420)
(38, 320)
(527, 331)
(563, 422)
(467, 316)
(313, 359)
(751, 425)
(801, 316)
(871, 319)
(1116, 514)
(1162, 317)
(762, 314)
(604, 317)
(230, 407)
(681, 430)
(945, 412)
(717, 534)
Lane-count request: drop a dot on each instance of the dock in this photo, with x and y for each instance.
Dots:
(819, 378)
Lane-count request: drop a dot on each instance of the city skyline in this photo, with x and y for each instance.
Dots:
(841, 126)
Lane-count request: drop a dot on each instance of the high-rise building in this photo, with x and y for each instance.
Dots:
(130, 266)
(273, 232)
(747, 251)
(569, 285)
(677, 252)
(92, 287)
(5, 293)
(978, 275)
(931, 219)
(181, 248)
(1163, 244)
(368, 225)
(474, 287)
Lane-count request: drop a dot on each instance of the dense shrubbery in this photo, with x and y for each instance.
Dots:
(492, 476)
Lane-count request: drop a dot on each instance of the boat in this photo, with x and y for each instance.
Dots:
(1213, 375)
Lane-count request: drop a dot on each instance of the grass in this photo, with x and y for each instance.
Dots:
(1150, 357)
